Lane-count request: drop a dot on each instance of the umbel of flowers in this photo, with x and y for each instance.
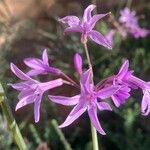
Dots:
(92, 97)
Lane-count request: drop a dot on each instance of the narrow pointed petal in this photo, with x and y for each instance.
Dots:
(104, 106)
(107, 92)
(85, 81)
(25, 101)
(34, 72)
(145, 105)
(138, 82)
(99, 39)
(18, 86)
(123, 70)
(73, 29)
(34, 63)
(67, 101)
(116, 100)
(70, 20)
(73, 116)
(96, 18)
(19, 73)
(51, 84)
(45, 57)
(88, 13)
(95, 122)
(78, 63)
(25, 93)
(37, 104)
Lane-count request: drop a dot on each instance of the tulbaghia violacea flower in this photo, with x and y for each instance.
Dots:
(127, 82)
(40, 66)
(89, 99)
(31, 91)
(86, 25)
(145, 86)
(130, 21)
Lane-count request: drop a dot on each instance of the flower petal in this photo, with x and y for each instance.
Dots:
(70, 20)
(95, 19)
(78, 63)
(34, 63)
(25, 101)
(34, 72)
(107, 92)
(103, 106)
(37, 104)
(68, 101)
(123, 70)
(19, 73)
(51, 84)
(87, 13)
(99, 39)
(18, 86)
(95, 122)
(85, 81)
(73, 116)
(73, 29)
(145, 105)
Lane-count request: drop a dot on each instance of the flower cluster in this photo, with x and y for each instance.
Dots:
(130, 22)
(91, 97)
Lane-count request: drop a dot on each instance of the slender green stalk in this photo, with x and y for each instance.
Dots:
(93, 130)
(14, 129)
(61, 135)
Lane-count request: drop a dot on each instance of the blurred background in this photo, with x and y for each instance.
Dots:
(29, 26)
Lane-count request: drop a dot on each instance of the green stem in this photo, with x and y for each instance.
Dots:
(93, 130)
(11, 121)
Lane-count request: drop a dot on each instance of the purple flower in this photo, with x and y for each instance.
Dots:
(130, 21)
(89, 99)
(145, 86)
(127, 81)
(86, 25)
(40, 66)
(31, 91)
(128, 17)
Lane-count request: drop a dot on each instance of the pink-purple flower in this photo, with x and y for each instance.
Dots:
(130, 22)
(86, 26)
(89, 99)
(40, 66)
(31, 91)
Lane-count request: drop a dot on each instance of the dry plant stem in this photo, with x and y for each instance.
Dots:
(93, 130)
(14, 129)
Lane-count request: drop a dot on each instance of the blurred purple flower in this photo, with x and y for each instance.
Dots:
(31, 91)
(86, 100)
(130, 21)
(85, 27)
(40, 66)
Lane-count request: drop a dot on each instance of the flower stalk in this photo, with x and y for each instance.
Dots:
(13, 127)
(93, 130)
